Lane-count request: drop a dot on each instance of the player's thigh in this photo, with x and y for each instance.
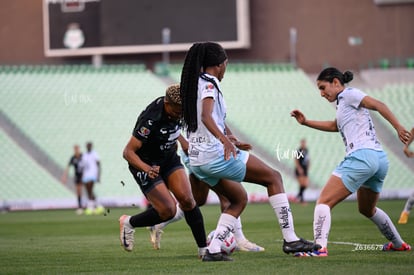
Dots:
(162, 200)
(259, 172)
(199, 189)
(179, 185)
(333, 192)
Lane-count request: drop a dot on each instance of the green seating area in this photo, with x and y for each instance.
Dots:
(22, 179)
(59, 106)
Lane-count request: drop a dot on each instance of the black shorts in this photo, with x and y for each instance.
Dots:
(78, 178)
(305, 171)
(166, 169)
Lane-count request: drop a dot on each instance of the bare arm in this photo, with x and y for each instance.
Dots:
(133, 159)
(407, 151)
(207, 119)
(376, 105)
(239, 144)
(184, 144)
(328, 126)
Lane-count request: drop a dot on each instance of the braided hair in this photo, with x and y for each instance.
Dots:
(329, 74)
(198, 58)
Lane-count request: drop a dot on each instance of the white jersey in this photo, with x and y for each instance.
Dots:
(203, 145)
(89, 165)
(354, 122)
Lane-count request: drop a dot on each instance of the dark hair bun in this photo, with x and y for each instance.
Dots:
(348, 76)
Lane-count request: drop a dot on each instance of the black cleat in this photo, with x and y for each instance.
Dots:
(216, 257)
(300, 245)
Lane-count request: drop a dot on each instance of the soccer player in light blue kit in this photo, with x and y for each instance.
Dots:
(365, 165)
(214, 156)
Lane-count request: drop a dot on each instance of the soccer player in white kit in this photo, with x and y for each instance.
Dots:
(214, 156)
(91, 172)
(365, 165)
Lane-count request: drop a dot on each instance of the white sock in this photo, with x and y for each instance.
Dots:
(280, 205)
(387, 228)
(90, 204)
(321, 224)
(238, 232)
(179, 214)
(225, 225)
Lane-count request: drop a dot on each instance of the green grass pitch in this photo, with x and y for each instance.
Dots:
(60, 242)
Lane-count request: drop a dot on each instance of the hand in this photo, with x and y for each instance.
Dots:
(403, 134)
(300, 117)
(408, 153)
(153, 172)
(229, 148)
(241, 145)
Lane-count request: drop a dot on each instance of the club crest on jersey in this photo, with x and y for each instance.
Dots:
(144, 131)
(209, 86)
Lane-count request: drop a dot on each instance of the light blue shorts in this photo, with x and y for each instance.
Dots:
(364, 167)
(232, 169)
(89, 179)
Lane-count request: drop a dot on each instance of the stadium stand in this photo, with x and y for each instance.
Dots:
(58, 106)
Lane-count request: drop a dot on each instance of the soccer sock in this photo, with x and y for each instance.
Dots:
(194, 219)
(79, 202)
(90, 204)
(147, 218)
(300, 195)
(409, 204)
(225, 225)
(280, 205)
(321, 224)
(387, 228)
(179, 214)
(238, 232)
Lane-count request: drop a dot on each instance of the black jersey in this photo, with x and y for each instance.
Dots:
(157, 133)
(74, 161)
(303, 157)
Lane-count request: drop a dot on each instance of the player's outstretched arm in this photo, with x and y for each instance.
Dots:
(407, 151)
(328, 126)
(376, 105)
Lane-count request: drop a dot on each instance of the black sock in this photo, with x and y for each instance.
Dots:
(194, 219)
(300, 195)
(79, 202)
(149, 217)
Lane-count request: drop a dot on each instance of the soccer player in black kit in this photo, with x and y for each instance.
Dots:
(153, 161)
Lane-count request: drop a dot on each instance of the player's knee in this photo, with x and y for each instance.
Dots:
(187, 203)
(167, 212)
(366, 212)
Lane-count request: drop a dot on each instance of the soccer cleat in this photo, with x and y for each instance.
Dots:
(126, 233)
(403, 217)
(246, 245)
(216, 257)
(155, 236)
(390, 247)
(323, 252)
(300, 245)
(201, 252)
(79, 211)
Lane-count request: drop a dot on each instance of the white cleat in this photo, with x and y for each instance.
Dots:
(155, 236)
(246, 245)
(126, 233)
